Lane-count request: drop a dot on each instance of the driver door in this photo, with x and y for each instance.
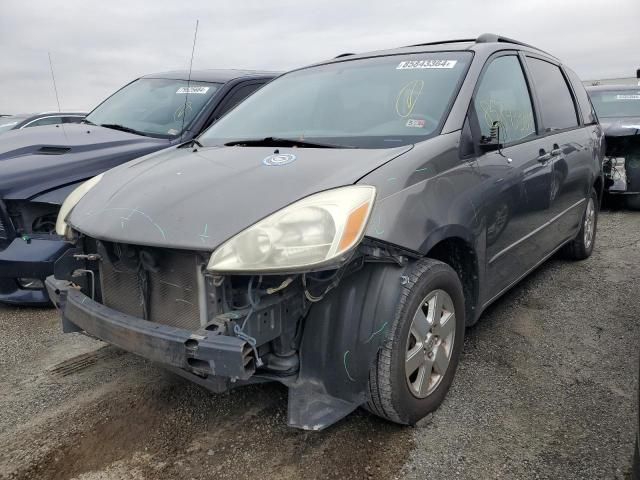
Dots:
(518, 175)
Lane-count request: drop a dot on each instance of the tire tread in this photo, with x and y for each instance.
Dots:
(380, 389)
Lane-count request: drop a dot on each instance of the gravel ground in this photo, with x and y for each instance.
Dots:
(546, 389)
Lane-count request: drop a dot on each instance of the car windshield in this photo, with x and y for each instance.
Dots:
(9, 123)
(154, 106)
(616, 103)
(369, 103)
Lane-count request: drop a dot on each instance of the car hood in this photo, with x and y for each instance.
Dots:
(40, 159)
(195, 200)
(620, 127)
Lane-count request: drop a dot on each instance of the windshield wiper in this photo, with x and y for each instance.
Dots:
(122, 128)
(87, 122)
(282, 142)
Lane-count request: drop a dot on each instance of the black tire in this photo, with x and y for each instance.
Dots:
(390, 395)
(579, 248)
(632, 202)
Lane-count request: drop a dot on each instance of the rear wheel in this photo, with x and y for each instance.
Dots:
(581, 247)
(417, 362)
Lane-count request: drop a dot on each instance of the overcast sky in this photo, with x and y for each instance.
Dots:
(97, 46)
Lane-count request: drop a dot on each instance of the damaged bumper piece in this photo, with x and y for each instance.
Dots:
(229, 331)
(24, 265)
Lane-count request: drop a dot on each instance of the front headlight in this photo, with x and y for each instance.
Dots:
(309, 233)
(71, 201)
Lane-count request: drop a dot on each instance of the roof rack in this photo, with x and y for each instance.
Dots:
(484, 38)
(344, 55)
(493, 38)
(460, 40)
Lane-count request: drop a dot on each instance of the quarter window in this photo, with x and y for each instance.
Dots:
(503, 97)
(556, 104)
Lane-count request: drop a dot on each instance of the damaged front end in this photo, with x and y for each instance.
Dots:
(29, 247)
(317, 332)
(622, 164)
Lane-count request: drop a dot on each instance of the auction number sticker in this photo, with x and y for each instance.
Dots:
(196, 90)
(627, 97)
(418, 64)
(413, 123)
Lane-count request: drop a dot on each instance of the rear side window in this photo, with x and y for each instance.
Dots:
(503, 97)
(239, 95)
(45, 121)
(72, 119)
(588, 114)
(556, 104)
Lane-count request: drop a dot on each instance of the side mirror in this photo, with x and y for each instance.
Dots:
(492, 142)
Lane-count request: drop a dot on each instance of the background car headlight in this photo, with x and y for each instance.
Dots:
(71, 201)
(311, 232)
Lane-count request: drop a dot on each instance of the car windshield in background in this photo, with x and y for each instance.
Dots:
(370, 103)
(154, 106)
(616, 103)
(8, 123)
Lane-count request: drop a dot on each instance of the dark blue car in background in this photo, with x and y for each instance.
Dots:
(27, 120)
(39, 167)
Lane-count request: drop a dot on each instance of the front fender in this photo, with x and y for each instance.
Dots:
(341, 338)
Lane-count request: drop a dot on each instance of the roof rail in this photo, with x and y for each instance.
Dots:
(493, 38)
(484, 38)
(461, 40)
(344, 55)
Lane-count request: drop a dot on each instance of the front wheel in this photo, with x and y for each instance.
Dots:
(417, 361)
(581, 247)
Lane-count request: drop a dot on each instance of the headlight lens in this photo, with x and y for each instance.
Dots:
(71, 201)
(311, 232)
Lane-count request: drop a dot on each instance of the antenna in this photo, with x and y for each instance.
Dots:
(54, 81)
(186, 97)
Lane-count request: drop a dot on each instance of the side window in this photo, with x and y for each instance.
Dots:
(556, 104)
(45, 121)
(72, 119)
(238, 95)
(503, 97)
(233, 99)
(588, 113)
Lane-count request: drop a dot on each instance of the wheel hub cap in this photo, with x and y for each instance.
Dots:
(430, 343)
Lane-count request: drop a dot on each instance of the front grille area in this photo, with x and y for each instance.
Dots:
(4, 225)
(171, 285)
(4, 234)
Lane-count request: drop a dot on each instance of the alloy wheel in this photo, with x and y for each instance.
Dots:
(430, 343)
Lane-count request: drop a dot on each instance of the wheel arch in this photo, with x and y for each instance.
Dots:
(459, 253)
(598, 186)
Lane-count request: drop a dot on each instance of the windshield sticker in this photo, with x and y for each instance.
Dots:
(172, 131)
(197, 90)
(408, 97)
(627, 97)
(414, 123)
(411, 64)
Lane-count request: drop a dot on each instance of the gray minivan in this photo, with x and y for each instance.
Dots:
(338, 230)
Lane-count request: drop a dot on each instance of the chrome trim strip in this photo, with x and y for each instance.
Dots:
(530, 234)
(517, 280)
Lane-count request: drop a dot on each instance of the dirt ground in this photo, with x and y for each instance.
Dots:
(547, 388)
